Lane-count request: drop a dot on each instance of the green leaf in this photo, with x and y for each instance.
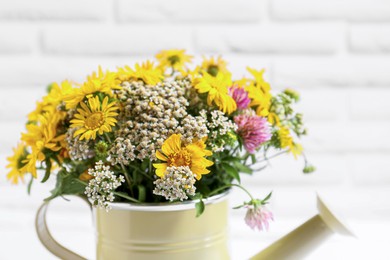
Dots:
(240, 206)
(231, 171)
(267, 198)
(243, 168)
(199, 207)
(48, 169)
(253, 157)
(71, 186)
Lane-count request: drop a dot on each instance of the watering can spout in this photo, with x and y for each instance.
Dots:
(300, 242)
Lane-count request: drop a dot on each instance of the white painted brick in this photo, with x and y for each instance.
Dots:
(278, 39)
(353, 137)
(201, 11)
(16, 103)
(17, 39)
(38, 72)
(361, 11)
(370, 38)
(370, 169)
(369, 104)
(314, 104)
(53, 10)
(10, 135)
(346, 72)
(133, 40)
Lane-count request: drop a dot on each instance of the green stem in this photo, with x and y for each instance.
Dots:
(273, 156)
(137, 170)
(108, 137)
(119, 194)
(231, 185)
(128, 179)
(80, 181)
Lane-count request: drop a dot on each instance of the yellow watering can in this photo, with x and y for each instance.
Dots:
(171, 231)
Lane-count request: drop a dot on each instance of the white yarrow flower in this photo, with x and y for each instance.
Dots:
(100, 188)
(176, 184)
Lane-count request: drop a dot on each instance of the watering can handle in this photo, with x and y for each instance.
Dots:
(46, 238)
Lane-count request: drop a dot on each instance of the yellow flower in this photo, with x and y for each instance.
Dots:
(174, 153)
(16, 164)
(274, 119)
(217, 89)
(51, 101)
(259, 80)
(259, 93)
(286, 141)
(94, 118)
(103, 82)
(214, 66)
(146, 72)
(41, 107)
(31, 161)
(44, 133)
(242, 83)
(174, 58)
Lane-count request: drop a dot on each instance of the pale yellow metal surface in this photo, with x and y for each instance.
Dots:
(163, 235)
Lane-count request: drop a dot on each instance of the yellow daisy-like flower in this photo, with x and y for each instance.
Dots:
(286, 141)
(103, 82)
(44, 133)
(16, 164)
(51, 101)
(174, 58)
(217, 89)
(174, 153)
(94, 118)
(41, 107)
(31, 161)
(147, 72)
(213, 66)
(259, 93)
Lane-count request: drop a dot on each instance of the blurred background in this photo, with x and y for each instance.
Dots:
(336, 53)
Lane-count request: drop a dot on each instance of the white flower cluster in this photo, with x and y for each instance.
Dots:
(192, 127)
(100, 188)
(150, 115)
(78, 149)
(176, 184)
(220, 128)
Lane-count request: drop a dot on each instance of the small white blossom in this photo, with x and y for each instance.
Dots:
(100, 188)
(176, 184)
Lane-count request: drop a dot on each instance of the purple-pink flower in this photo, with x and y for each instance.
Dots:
(240, 96)
(258, 216)
(254, 130)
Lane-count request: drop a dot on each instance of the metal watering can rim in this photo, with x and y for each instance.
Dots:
(167, 206)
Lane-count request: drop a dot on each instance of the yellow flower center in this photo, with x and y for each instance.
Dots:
(94, 120)
(182, 158)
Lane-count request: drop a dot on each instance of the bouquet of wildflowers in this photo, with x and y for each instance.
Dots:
(156, 132)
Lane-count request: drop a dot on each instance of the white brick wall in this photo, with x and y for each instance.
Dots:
(335, 52)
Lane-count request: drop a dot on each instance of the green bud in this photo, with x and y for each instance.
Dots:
(213, 70)
(292, 94)
(309, 168)
(101, 149)
(174, 59)
(49, 87)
